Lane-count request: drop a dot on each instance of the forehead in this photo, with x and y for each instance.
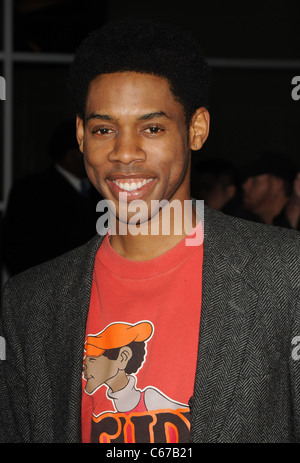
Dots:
(131, 91)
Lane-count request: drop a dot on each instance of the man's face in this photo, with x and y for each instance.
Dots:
(135, 139)
(256, 191)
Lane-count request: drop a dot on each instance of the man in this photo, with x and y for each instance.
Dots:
(224, 312)
(268, 189)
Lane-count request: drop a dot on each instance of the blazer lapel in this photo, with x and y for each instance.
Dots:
(65, 343)
(228, 302)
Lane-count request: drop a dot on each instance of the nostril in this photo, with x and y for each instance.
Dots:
(126, 156)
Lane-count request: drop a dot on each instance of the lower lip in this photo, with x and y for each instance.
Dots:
(139, 193)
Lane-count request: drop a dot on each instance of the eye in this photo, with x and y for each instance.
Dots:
(102, 130)
(154, 129)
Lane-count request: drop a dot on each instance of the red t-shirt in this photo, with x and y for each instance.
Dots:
(141, 346)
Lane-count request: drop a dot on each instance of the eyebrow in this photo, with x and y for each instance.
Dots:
(153, 115)
(144, 117)
(99, 116)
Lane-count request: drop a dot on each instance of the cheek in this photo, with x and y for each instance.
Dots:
(173, 159)
(93, 151)
(178, 166)
(92, 173)
(91, 157)
(93, 163)
(260, 191)
(90, 169)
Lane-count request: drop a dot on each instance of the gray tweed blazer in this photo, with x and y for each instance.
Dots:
(247, 385)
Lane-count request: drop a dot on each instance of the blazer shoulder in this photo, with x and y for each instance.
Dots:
(273, 248)
(56, 278)
(252, 233)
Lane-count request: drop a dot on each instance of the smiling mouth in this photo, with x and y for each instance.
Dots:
(132, 184)
(131, 187)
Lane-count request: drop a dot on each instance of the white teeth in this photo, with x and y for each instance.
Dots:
(132, 186)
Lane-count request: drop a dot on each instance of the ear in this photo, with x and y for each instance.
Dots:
(199, 128)
(125, 355)
(79, 132)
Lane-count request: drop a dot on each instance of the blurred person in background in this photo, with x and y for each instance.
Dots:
(53, 211)
(268, 188)
(217, 182)
(293, 206)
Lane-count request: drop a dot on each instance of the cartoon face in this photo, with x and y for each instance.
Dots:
(96, 371)
(108, 353)
(100, 370)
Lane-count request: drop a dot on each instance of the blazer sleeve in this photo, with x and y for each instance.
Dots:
(14, 422)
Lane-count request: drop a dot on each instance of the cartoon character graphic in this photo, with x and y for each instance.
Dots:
(113, 358)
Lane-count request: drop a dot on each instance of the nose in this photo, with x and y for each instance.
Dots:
(127, 149)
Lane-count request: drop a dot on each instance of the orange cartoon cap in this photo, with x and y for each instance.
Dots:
(117, 335)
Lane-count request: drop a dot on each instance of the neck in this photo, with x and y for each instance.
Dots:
(118, 382)
(156, 236)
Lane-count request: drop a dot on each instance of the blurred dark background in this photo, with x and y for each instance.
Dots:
(253, 49)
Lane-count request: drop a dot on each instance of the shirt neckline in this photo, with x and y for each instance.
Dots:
(138, 270)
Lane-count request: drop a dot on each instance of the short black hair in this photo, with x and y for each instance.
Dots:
(141, 45)
(135, 362)
(275, 163)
